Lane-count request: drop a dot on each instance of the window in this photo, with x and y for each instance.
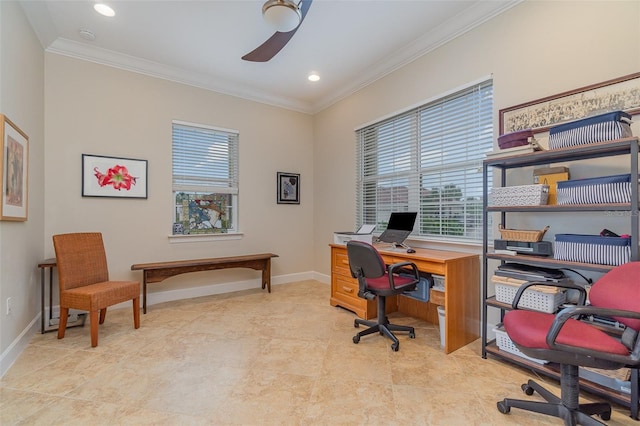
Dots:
(205, 179)
(429, 160)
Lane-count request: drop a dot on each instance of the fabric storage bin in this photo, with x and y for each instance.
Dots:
(421, 292)
(606, 189)
(523, 195)
(511, 140)
(604, 127)
(536, 298)
(592, 249)
(504, 343)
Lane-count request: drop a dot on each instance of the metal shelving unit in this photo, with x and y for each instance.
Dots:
(627, 147)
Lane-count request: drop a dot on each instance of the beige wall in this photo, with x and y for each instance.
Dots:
(535, 49)
(21, 99)
(95, 109)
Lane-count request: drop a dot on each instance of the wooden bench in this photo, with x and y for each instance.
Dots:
(159, 271)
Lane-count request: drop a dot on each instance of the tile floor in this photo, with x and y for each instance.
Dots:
(253, 358)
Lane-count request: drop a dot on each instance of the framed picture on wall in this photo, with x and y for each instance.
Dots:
(113, 177)
(14, 169)
(622, 93)
(288, 188)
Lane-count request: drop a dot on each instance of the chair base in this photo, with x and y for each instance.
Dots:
(566, 408)
(97, 317)
(382, 326)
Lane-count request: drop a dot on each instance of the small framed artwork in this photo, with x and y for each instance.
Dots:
(14, 169)
(113, 177)
(288, 188)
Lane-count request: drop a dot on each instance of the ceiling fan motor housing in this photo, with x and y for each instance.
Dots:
(283, 15)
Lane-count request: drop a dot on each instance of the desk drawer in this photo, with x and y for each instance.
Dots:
(346, 286)
(423, 265)
(436, 297)
(340, 262)
(344, 292)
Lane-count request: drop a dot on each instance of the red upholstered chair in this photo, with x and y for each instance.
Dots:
(84, 281)
(564, 339)
(375, 279)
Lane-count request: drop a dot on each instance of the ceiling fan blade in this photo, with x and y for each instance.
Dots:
(277, 41)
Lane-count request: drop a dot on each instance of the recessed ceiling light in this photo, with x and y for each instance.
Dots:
(313, 77)
(104, 10)
(87, 34)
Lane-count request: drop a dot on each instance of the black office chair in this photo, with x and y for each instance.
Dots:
(375, 279)
(564, 339)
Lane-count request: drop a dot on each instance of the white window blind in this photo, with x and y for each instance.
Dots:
(429, 160)
(205, 178)
(204, 159)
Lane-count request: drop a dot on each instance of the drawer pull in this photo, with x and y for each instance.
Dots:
(347, 290)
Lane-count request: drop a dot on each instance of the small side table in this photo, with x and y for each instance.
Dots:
(51, 323)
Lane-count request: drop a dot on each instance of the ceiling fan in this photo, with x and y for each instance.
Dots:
(287, 16)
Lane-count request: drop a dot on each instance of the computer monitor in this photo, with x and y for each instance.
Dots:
(399, 227)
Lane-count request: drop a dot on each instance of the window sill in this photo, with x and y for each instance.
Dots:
(199, 238)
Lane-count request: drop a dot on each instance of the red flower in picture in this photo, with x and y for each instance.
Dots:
(117, 176)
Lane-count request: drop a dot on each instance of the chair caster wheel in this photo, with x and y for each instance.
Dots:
(355, 324)
(412, 335)
(606, 415)
(503, 408)
(395, 346)
(356, 339)
(527, 389)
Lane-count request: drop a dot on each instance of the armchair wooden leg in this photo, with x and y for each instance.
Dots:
(93, 322)
(62, 325)
(136, 312)
(103, 315)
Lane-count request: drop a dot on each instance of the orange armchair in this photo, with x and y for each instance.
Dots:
(84, 283)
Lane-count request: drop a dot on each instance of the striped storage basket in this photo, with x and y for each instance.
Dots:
(592, 249)
(606, 189)
(604, 127)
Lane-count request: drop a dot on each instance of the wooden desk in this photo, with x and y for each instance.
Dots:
(461, 298)
(159, 271)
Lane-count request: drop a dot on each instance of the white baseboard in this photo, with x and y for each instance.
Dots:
(11, 354)
(323, 278)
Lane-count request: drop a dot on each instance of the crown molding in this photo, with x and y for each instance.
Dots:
(460, 24)
(73, 49)
(481, 12)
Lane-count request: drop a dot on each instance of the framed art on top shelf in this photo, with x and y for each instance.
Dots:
(113, 177)
(14, 174)
(622, 93)
(288, 188)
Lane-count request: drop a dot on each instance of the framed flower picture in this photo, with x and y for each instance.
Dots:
(288, 188)
(113, 177)
(14, 167)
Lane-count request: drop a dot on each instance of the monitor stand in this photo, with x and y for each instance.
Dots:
(402, 245)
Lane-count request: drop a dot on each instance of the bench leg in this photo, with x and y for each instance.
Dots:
(266, 275)
(144, 293)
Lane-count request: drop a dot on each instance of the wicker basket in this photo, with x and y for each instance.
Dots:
(521, 235)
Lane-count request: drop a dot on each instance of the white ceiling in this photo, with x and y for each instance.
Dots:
(350, 43)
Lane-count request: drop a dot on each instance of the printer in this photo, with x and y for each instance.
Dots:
(365, 233)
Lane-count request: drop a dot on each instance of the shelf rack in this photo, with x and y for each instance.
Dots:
(618, 147)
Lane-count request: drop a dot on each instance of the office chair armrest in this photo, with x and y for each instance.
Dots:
(573, 311)
(396, 269)
(568, 285)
